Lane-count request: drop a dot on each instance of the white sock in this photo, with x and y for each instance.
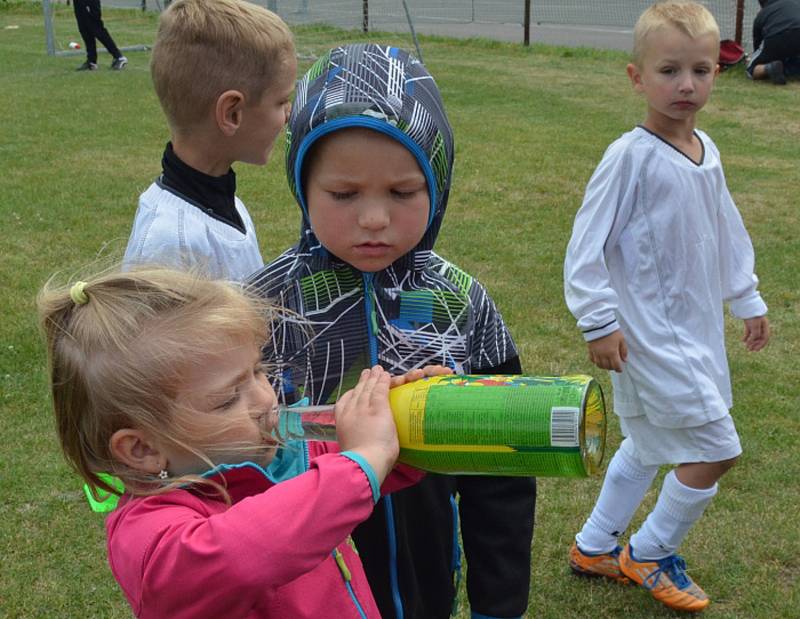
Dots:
(627, 481)
(677, 509)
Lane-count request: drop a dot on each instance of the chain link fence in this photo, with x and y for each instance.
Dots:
(492, 19)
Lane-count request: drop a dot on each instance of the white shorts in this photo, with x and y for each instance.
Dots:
(712, 442)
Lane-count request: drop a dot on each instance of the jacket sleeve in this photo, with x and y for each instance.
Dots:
(737, 262)
(497, 518)
(491, 343)
(182, 560)
(587, 282)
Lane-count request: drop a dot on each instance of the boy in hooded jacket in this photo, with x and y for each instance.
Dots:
(369, 160)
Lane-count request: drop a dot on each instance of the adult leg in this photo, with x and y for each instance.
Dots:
(83, 16)
(98, 28)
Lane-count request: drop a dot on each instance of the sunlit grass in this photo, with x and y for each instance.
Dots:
(530, 126)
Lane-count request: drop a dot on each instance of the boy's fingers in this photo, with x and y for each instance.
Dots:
(380, 390)
(375, 373)
(436, 370)
(413, 375)
(359, 388)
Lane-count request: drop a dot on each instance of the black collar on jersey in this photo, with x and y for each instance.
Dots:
(214, 194)
(668, 143)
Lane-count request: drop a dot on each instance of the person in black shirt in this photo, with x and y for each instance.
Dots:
(776, 41)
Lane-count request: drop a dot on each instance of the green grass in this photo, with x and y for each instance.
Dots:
(530, 126)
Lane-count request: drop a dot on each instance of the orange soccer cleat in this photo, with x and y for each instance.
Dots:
(604, 564)
(666, 579)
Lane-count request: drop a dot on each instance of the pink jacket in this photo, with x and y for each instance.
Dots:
(280, 550)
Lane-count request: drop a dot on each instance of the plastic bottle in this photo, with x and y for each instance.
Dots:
(485, 425)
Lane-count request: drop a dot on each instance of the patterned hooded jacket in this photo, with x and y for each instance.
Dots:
(420, 310)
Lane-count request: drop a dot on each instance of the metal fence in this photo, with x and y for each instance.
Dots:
(500, 19)
(390, 14)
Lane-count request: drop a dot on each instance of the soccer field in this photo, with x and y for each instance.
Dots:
(530, 126)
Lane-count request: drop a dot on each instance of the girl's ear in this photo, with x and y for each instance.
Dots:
(135, 449)
(228, 111)
(635, 76)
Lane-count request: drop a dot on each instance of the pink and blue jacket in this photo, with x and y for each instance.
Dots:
(281, 549)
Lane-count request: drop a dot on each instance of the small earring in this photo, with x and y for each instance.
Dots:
(162, 474)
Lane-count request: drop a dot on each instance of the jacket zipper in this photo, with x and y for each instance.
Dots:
(372, 330)
(348, 577)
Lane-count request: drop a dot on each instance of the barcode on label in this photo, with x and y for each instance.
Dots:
(564, 427)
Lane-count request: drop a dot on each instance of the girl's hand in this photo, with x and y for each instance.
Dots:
(364, 421)
(412, 375)
(756, 333)
(609, 352)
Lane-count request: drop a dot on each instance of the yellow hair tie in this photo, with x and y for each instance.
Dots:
(77, 293)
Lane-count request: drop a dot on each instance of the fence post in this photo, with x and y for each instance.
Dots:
(527, 23)
(739, 20)
(365, 15)
(48, 28)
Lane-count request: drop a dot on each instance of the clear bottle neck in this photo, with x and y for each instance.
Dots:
(307, 423)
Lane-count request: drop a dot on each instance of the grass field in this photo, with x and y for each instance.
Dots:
(530, 126)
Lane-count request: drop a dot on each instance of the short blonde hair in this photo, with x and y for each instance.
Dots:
(118, 354)
(691, 18)
(205, 47)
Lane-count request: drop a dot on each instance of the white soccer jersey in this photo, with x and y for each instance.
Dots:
(657, 247)
(171, 231)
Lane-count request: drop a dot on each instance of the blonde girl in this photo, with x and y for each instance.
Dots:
(157, 379)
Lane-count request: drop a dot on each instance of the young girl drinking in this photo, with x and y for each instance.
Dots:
(157, 379)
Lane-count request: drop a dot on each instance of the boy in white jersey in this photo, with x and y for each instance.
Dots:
(657, 247)
(224, 72)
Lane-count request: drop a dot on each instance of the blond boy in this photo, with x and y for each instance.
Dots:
(224, 72)
(657, 248)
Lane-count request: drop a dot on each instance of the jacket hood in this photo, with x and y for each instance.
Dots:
(380, 88)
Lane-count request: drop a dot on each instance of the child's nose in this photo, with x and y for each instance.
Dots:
(687, 83)
(373, 217)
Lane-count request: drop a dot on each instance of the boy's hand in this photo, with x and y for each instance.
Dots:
(364, 421)
(412, 375)
(756, 333)
(609, 352)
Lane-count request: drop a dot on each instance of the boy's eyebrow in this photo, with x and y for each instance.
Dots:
(341, 176)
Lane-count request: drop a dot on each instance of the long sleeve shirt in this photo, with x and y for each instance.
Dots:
(657, 247)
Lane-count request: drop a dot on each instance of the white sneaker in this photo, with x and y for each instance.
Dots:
(119, 63)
